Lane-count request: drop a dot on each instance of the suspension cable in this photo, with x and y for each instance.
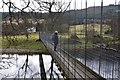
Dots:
(75, 34)
(68, 41)
(85, 37)
(101, 18)
(101, 21)
(93, 24)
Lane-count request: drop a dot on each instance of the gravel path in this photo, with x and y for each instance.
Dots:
(22, 51)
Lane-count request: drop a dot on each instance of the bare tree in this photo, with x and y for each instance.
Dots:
(17, 21)
(55, 11)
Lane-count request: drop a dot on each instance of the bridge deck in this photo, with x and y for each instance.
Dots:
(71, 67)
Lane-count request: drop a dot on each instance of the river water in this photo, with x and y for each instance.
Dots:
(18, 66)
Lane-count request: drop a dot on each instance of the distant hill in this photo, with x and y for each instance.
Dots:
(80, 14)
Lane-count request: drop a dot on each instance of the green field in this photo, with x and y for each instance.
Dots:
(77, 33)
(80, 29)
(21, 42)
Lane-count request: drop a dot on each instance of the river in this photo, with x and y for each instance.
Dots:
(17, 66)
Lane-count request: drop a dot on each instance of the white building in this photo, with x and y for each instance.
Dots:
(32, 29)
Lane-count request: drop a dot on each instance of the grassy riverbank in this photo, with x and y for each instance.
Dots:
(21, 42)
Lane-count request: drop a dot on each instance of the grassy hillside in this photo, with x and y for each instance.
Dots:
(80, 14)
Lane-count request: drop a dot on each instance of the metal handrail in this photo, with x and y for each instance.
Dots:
(67, 61)
(82, 64)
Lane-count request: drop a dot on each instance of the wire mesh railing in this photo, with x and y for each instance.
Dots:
(89, 38)
(102, 61)
(67, 62)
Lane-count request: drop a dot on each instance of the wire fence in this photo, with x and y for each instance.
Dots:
(91, 39)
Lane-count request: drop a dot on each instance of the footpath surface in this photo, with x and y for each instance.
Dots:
(21, 51)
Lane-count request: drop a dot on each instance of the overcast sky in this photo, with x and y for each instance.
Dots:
(20, 4)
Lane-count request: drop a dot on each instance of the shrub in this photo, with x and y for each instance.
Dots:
(74, 36)
(108, 31)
